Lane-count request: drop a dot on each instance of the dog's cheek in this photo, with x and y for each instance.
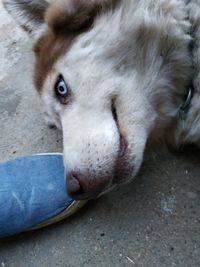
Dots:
(52, 122)
(52, 118)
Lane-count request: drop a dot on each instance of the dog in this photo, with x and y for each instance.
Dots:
(116, 76)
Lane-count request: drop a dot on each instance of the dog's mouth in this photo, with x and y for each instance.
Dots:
(123, 168)
(123, 144)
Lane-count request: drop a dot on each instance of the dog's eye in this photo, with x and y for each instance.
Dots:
(61, 88)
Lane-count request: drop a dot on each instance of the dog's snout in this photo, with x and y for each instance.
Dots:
(80, 187)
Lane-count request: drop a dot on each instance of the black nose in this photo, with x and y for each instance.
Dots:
(80, 186)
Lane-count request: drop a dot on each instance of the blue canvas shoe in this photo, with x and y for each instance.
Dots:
(33, 194)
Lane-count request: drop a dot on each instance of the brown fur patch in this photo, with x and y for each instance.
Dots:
(48, 49)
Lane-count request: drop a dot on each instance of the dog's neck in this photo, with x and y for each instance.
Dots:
(188, 130)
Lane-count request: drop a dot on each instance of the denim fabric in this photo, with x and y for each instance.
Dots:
(32, 190)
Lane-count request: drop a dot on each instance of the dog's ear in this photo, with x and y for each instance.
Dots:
(28, 13)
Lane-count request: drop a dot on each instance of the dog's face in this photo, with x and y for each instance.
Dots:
(96, 87)
(104, 126)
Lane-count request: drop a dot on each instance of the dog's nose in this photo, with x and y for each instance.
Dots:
(80, 187)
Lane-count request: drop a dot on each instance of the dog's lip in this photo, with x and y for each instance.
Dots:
(123, 168)
(123, 146)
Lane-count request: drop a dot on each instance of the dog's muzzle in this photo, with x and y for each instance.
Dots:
(82, 186)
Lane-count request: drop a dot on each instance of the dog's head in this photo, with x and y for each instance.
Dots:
(98, 82)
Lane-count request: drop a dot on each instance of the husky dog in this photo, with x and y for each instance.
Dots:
(114, 75)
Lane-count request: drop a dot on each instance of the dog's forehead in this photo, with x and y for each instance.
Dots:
(74, 54)
(81, 67)
(78, 59)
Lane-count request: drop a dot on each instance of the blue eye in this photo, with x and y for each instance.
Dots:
(61, 88)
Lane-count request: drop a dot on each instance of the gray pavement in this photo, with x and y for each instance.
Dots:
(153, 222)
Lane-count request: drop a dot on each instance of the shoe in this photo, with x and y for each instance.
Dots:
(33, 194)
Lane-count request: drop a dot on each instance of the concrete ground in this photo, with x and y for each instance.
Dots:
(153, 222)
